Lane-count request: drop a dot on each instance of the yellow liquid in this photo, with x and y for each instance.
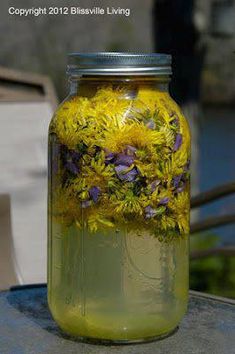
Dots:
(116, 286)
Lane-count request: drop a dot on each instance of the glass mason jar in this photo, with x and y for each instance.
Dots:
(119, 150)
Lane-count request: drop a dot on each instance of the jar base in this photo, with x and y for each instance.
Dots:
(103, 341)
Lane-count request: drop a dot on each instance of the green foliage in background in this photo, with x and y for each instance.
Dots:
(214, 274)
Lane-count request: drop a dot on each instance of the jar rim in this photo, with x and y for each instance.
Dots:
(119, 63)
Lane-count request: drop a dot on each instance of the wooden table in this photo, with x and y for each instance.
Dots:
(26, 327)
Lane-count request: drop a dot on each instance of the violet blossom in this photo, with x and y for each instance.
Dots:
(164, 201)
(72, 167)
(178, 142)
(187, 166)
(110, 157)
(180, 189)
(150, 212)
(176, 180)
(130, 150)
(179, 183)
(123, 159)
(126, 175)
(175, 122)
(85, 204)
(151, 124)
(154, 185)
(70, 159)
(94, 193)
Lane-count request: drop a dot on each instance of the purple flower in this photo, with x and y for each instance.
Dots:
(130, 150)
(179, 183)
(85, 204)
(110, 157)
(180, 189)
(126, 175)
(175, 122)
(154, 185)
(178, 142)
(123, 159)
(177, 180)
(151, 124)
(70, 159)
(72, 167)
(97, 149)
(187, 166)
(150, 212)
(74, 155)
(164, 201)
(63, 148)
(94, 193)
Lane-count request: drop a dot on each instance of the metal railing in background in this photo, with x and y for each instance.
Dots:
(211, 222)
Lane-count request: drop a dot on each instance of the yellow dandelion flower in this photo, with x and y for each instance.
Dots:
(140, 132)
(137, 135)
(180, 206)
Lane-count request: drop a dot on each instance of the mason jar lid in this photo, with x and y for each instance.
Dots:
(111, 63)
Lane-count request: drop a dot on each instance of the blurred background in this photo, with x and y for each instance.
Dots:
(200, 35)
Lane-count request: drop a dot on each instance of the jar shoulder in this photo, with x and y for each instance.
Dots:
(112, 108)
(144, 101)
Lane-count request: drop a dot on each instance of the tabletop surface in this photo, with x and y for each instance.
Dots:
(26, 327)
